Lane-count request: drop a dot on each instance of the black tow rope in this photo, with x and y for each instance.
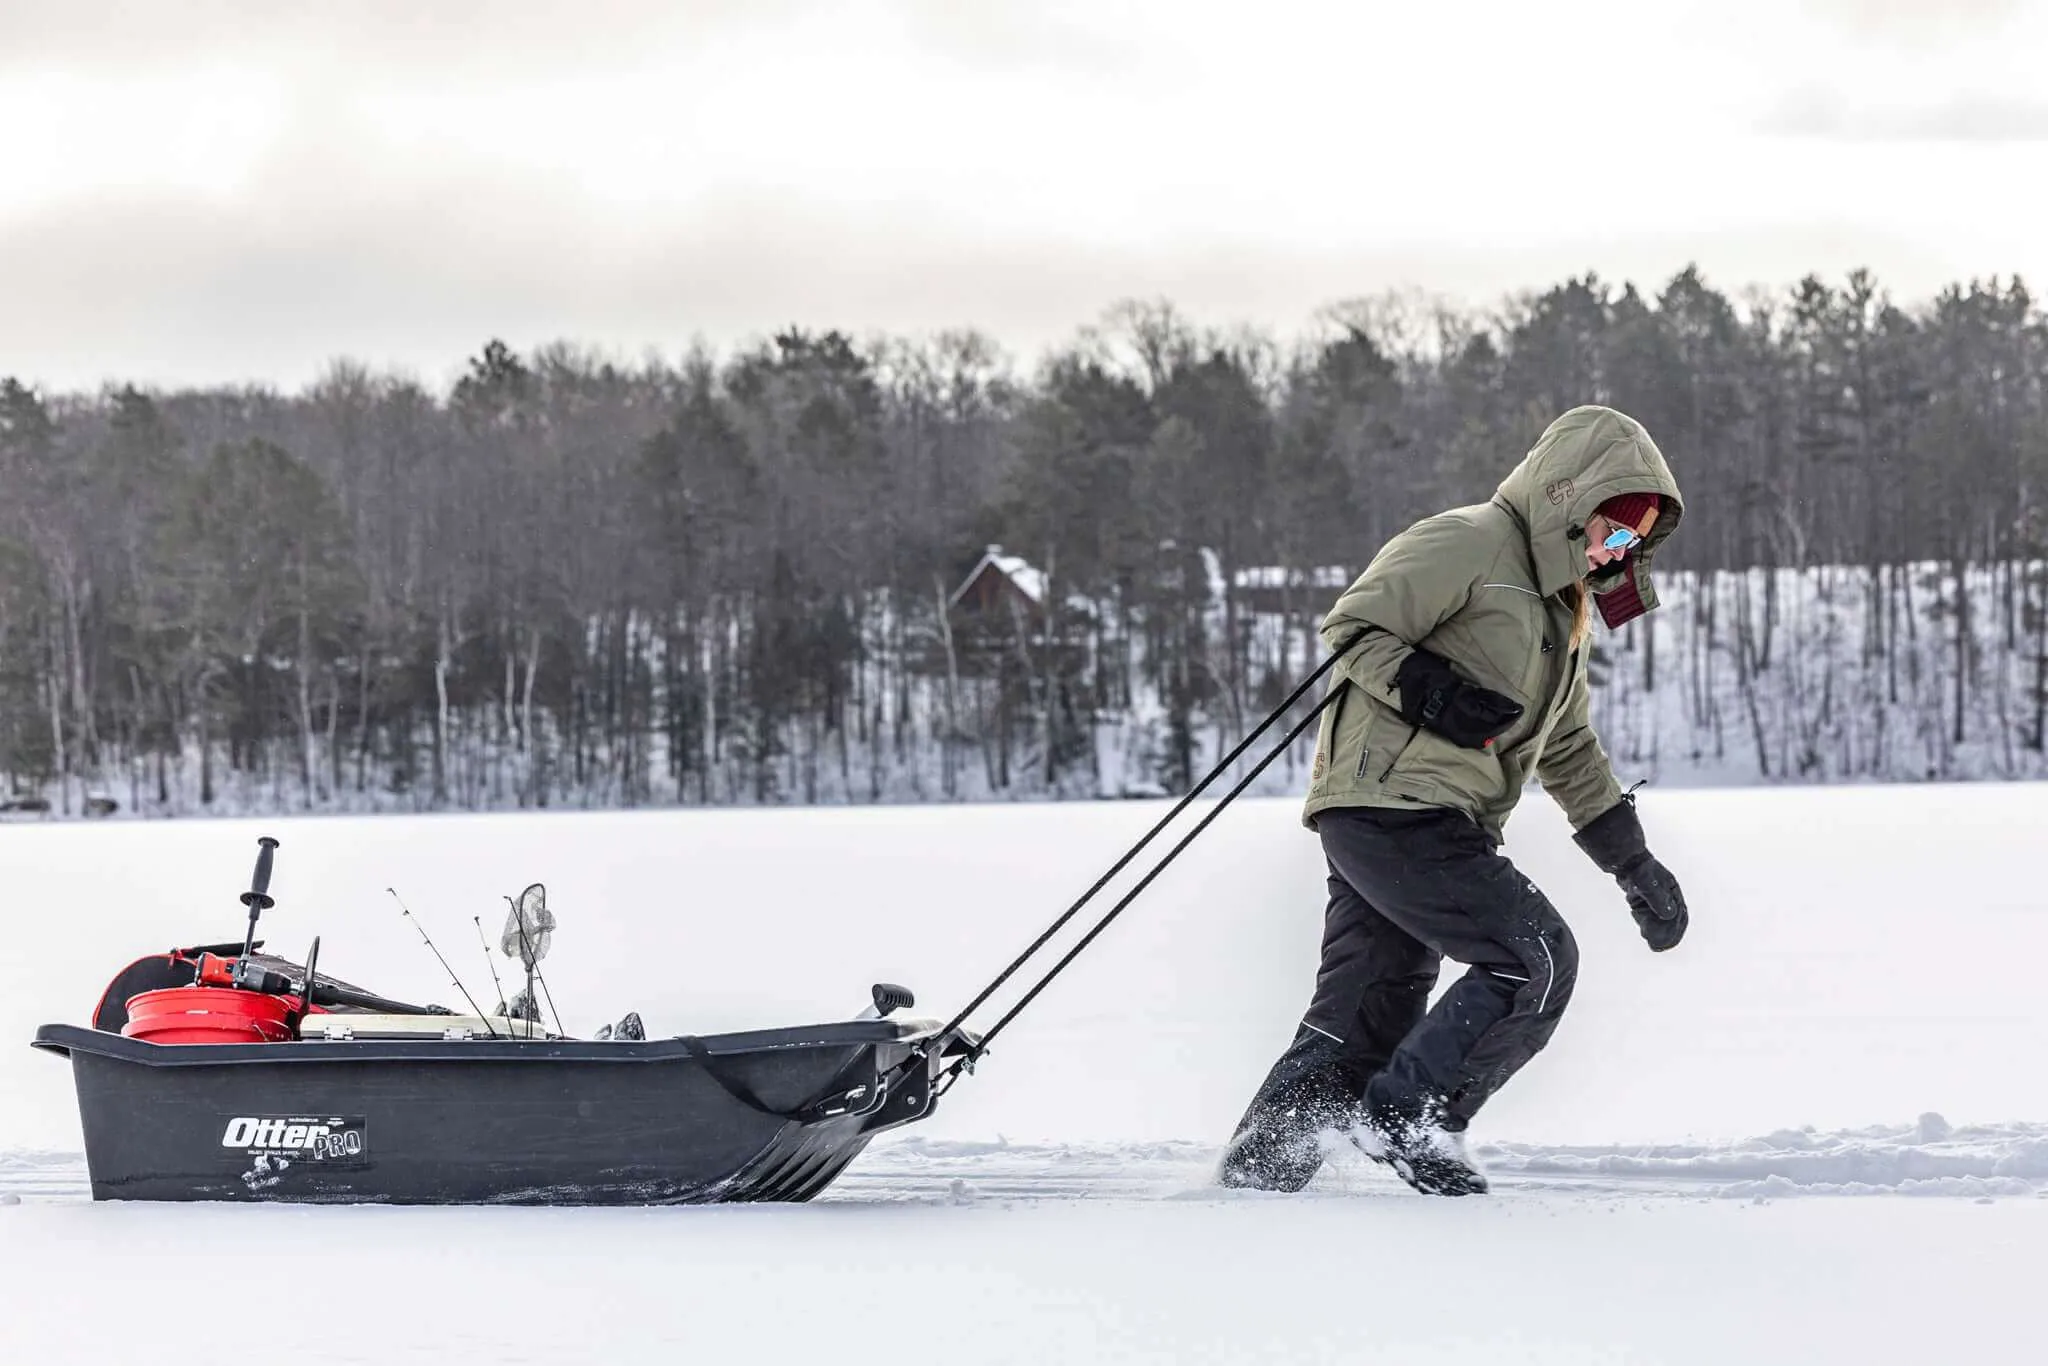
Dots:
(967, 1057)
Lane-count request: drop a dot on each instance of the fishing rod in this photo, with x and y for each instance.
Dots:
(496, 985)
(444, 962)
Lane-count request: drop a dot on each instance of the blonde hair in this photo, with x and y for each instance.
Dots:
(1580, 599)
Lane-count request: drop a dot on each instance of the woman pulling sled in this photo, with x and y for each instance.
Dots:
(1467, 677)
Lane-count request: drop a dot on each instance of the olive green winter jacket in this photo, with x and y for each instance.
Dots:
(1484, 587)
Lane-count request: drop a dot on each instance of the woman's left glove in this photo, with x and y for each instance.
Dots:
(1614, 841)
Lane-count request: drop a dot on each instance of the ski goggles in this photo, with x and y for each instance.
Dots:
(1621, 538)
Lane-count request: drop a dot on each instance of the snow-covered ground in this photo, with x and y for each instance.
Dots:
(1856, 1019)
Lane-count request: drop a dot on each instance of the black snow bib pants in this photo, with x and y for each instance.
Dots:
(1407, 890)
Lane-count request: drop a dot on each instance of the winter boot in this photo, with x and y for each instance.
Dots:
(1276, 1146)
(1276, 1153)
(1422, 1152)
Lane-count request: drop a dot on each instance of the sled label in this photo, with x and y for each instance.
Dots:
(339, 1140)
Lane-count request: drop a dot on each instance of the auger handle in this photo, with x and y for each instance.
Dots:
(258, 898)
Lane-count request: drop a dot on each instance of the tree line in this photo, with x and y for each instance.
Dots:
(568, 579)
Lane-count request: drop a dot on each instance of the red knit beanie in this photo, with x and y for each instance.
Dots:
(1629, 509)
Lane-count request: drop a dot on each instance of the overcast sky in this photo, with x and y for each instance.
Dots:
(241, 190)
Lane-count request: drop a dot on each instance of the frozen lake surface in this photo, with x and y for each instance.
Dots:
(1716, 1160)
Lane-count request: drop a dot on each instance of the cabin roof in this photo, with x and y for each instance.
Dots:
(1028, 578)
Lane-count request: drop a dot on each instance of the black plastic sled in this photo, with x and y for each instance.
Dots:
(221, 1073)
(768, 1115)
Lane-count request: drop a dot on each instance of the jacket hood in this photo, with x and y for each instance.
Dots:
(1585, 457)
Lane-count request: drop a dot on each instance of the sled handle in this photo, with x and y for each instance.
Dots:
(1113, 912)
(1222, 766)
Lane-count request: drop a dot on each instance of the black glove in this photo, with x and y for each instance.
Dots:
(1462, 712)
(1614, 841)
